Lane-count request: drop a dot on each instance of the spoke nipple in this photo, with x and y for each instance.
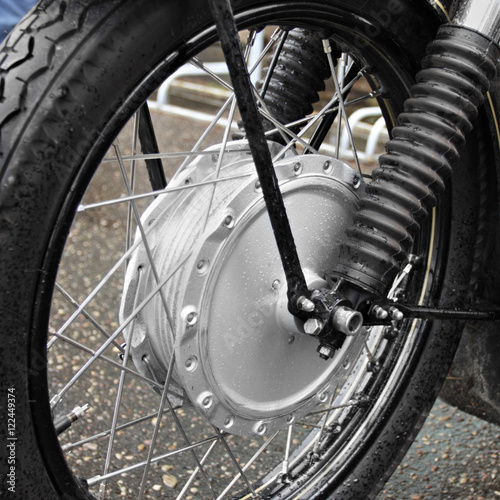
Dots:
(305, 304)
(284, 478)
(356, 181)
(379, 312)
(122, 354)
(395, 313)
(373, 367)
(313, 326)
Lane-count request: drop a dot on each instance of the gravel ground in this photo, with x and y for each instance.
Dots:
(455, 457)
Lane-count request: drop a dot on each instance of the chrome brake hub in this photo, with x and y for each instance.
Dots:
(239, 356)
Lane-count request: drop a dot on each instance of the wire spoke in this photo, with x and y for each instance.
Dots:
(274, 38)
(309, 125)
(97, 325)
(98, 479)
(157, 425)
(220, 159)
(118, 400)
(143, 236)
(70, 446)
(186, 439)
(257, 454)
(343, 62)
(110, 361)
(241, 472)
(57, 398)
(332, 408)
(151, 194)
(274, 62)
(197, 470)
(173, 154)
(135, 138)
(328, 50)
(287, 451)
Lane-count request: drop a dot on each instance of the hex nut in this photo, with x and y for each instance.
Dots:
(313, 326)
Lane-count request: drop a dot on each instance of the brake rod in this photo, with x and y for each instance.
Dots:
(254, 129)
(422, 312)
(382, 313)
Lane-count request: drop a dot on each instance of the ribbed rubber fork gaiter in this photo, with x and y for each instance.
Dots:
(437, 117)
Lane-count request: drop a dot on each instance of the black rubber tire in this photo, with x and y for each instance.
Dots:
(83, 63)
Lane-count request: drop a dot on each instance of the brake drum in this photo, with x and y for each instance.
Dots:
(221, 318)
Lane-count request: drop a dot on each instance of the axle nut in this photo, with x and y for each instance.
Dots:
(347, 320)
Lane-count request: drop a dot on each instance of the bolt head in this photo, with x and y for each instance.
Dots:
(396, 314)
(379, 312)
(313, 326)
(304, 304)
(325, 352)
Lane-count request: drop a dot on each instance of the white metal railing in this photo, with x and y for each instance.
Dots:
(368, 133)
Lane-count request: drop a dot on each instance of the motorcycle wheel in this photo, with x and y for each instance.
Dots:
(72, 76)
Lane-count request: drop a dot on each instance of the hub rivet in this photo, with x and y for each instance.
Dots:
(215, 157)
(207, 401)
(191, 363)
(229, 421)
(261, 429)
(323, 396)
(229, 221)
(191, 318)
(291, 339)
(201, 266)
(297, 168)
(326, 166)
(257, 184)
(276, 284)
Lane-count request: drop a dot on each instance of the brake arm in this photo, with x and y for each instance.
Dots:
(254, 129)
